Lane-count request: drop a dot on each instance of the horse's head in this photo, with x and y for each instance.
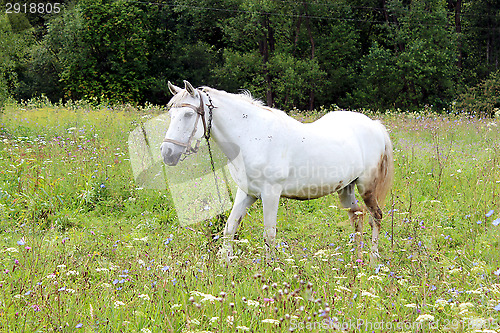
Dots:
(187, 122)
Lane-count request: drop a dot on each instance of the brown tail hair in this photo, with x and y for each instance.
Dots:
(386, 170)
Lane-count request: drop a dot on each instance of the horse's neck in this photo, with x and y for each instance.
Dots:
(233, 118)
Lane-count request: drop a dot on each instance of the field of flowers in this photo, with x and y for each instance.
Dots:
(83, 248)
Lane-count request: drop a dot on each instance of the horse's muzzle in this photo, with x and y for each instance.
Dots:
(171, 153)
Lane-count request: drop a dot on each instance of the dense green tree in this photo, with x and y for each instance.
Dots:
(14, 47)
(418, 66)
(361, 53)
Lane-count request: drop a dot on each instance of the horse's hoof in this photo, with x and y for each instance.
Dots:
(225, 255)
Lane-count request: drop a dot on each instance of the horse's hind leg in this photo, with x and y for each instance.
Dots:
(348, 201)
(375, 221)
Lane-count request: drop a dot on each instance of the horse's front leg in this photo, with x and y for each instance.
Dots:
(270, 202)
(240, 206)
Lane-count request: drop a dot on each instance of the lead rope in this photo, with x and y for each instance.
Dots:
(207, 137)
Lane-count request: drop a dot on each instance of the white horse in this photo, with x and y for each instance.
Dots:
(273, 155)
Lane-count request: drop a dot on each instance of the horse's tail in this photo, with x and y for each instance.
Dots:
(386, 170)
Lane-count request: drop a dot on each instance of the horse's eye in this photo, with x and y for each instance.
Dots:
(189, 114)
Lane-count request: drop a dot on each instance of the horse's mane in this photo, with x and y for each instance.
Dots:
(244, 95)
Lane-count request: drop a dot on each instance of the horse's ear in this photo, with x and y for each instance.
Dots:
(173, 89)
(189, 88)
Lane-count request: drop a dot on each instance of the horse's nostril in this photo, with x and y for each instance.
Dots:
(167, 151)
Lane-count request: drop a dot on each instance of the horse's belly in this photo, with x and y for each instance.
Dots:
(311, 191)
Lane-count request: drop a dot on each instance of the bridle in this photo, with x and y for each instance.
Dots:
(200, 112)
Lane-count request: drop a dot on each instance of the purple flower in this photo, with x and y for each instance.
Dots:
(489, 213)
(21, 242)
(496, 222)
(79, 325)
(497, 308)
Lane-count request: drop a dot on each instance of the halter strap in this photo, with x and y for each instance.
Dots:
(200, 112)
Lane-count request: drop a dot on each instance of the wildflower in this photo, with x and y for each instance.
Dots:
(194, 322)
(252, 303)
(477, 269)
(146, 330)
(496, 222)
(118, 304)
(35, 307)
(368, 294)
(62, 266)
(341, 289)
(21, 242)
(11, 250)
(411, 305)
(214, 319)
(79, 325)
(497, 308)
(271, 321)
(465, 306)
(72, 273)
(230, 320)
(424, 317)
(206, 297)
(145, 297)
(242, 328)
(102, 269)
(375, 277)
(50, 276)
(489, 213)
(169, 239)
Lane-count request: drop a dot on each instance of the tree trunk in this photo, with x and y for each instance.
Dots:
(458, 30)
(313, 49)
(266, 47)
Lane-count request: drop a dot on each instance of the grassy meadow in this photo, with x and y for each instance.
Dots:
(84, 249)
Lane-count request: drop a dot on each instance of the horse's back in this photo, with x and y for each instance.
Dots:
(370, 135)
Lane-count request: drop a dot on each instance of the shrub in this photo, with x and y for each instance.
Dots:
(483, 99)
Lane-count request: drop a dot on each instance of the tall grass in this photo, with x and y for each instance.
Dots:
(84, 249)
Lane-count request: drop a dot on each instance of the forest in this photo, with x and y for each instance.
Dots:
(372, 54)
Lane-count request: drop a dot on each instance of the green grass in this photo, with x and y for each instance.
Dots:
(84, 249)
